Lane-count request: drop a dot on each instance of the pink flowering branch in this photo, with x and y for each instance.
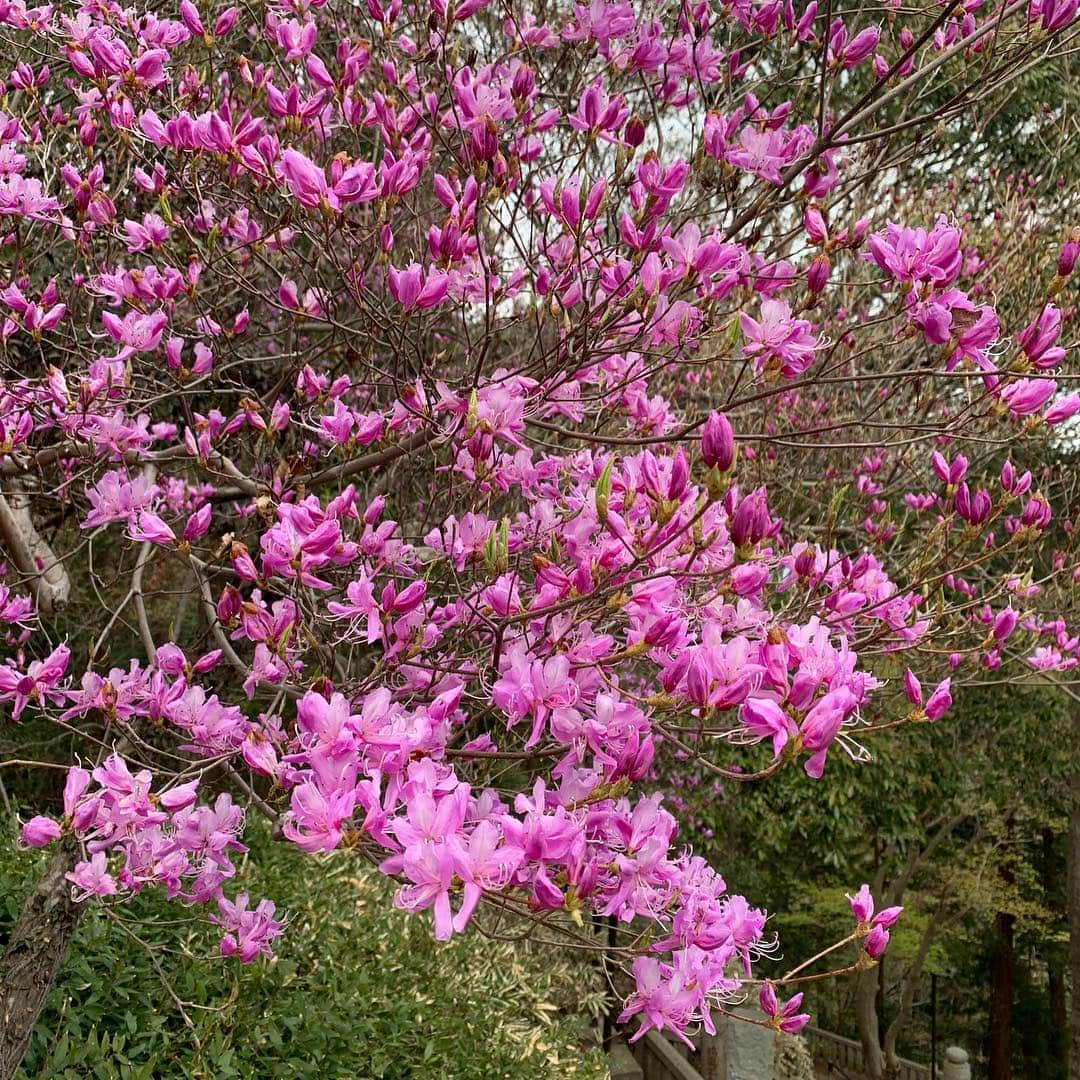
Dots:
(480, 429)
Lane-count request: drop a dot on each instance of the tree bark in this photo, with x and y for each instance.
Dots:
(866, 1015)
(908, 986)
(43, 571)
(33, 956)
(878, 1061)
(1001, 993)
(1054, 953)
(1058, 1003)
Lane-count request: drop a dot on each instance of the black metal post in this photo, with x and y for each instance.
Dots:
(933, 1026)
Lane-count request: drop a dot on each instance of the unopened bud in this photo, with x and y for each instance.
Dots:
(817, 277)
(1069, 254)
(718, 442)
(814, 224)
(634, 132)
(603, 491)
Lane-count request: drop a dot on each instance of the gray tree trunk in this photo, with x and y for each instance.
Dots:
(866, 1015)
(33, 956)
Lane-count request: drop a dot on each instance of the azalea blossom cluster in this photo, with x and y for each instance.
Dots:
(162, 838)
(487, 419)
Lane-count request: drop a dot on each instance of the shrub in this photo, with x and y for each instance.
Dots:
(360, 990)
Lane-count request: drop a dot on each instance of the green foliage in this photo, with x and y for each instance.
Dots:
(997, 769)
(357, 989)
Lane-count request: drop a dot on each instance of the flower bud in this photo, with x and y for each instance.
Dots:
(912, 688)
(230, 605)
(40, 831)
(888, 917)
(1069, 254)
(742, 523)
(876, 942)
(718, 442)
(1005, 623)
(180, 797)
(963, 502)
(862, 904)
(603, 491)
(680, 475)
(817, 277)
(814, 224)
(634, 132)
(804, 562)
(939, 702)
(409, 597)
(697, 680)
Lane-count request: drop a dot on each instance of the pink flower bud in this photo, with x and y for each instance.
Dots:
(939, 702)
(791, 1025)
(1005, 623)
(229, 605)
(1063, 409)
(409, 597)
(962, 502)
(888, 917)
(198, 523)
(634, 132)
(940, 466)
(226, 21)
(862, 904)
(814, 224)
(1069, 254)
(912, 688)
(817, 277)
(207, 662)
(189, 13)
(718, 442)
(179, 798)
(680, 475)
(697, 680)
(876, 942)
(861, 46)
(1008, 476)
(40, 831)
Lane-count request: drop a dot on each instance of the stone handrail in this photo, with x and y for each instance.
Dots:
(847, 1053)
(745, 1052)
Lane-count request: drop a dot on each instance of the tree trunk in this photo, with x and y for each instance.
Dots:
(1074, 907)
(34, 954)
(1058, 1003)
(1001, 998)
(1054, 953)
(909, 985)
(866, 1014)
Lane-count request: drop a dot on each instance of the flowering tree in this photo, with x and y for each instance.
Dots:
(442, 423)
